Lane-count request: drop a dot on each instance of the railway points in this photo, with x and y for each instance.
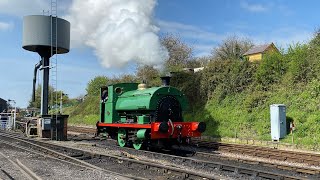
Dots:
(56, 164)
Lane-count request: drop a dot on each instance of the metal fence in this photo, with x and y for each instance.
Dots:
(7, 121)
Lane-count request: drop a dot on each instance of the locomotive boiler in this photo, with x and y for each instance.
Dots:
(136, 115)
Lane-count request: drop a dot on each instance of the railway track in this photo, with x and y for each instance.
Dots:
(21, 167)
(263, 152)
(82, 129)
(130, 168)
(297, 169)
(256, 151)
(34, 147)
(211, 161)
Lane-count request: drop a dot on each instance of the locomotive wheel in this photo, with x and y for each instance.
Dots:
(122, 137)
(137, 144)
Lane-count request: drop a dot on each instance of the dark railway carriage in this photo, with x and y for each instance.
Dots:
(136, 115)
(3, 105)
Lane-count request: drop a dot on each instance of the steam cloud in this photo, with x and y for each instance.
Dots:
(119, 31)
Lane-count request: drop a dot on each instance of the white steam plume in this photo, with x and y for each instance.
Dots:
(119, 31)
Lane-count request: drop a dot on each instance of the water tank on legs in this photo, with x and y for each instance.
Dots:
(278, 121)
(39, 31)
(46, 35)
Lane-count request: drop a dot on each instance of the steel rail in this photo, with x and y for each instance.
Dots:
(28, 171)
(22, 168)
(6, 173)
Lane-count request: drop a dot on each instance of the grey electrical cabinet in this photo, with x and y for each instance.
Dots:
(278, 121)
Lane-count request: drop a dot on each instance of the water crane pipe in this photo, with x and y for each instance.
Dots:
(36, 67)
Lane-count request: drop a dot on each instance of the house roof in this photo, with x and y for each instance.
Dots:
(258, 49)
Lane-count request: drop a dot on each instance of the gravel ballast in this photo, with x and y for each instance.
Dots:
(44, 167)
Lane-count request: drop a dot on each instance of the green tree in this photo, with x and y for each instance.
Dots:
(179, 53)
(124, 78)
(314, 53)
(93, 86)
(188, 83)
(226, 77)
(37, 102)
(57, 95)
(199, 61)
(301, 64)
(232, 48)
(270, 70)
(149, 74)
(315, 41)
(53, 99)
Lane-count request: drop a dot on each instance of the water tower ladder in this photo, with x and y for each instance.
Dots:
(54, 49)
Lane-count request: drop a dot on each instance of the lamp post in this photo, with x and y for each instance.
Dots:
(15, 112)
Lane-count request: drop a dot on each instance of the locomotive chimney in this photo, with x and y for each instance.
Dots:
(165, 80)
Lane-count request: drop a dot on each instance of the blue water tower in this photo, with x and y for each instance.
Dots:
(278, 121)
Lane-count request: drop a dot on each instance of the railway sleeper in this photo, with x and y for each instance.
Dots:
(225, 158)
(250, 162)
(307, 171)
(277, 157)
(295, 159)
(85, 157)
(289, 168)
(249, 152)
(269, 165)
(247, 172)
(311, 162)
(76, 155)
(263, 155)
(218, 167)
(268, 176)
(228, 168)
(185, 175)
(129, 164)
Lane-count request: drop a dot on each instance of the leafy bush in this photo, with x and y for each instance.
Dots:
(86, 112)
(300, 64)
(270, 70)
(93, 87)
(189, 84)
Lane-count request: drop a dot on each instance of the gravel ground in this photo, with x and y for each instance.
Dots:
(44, 167)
